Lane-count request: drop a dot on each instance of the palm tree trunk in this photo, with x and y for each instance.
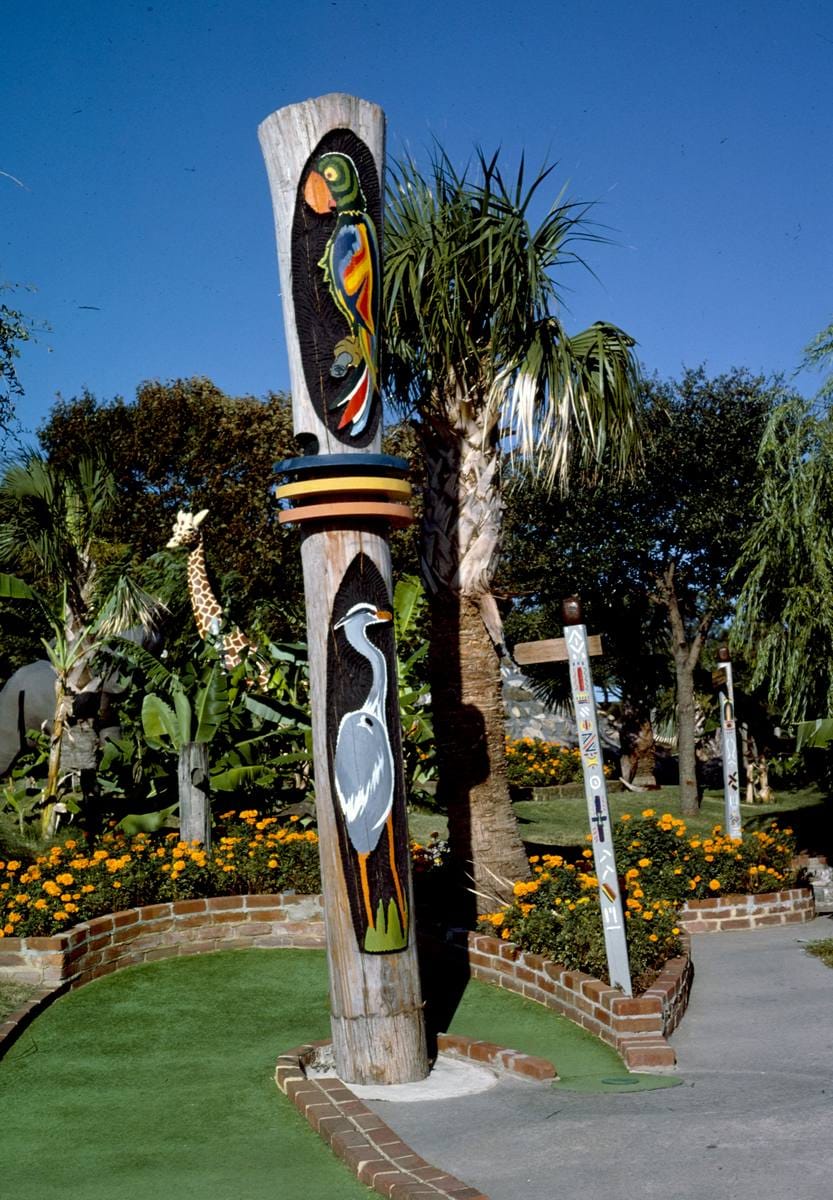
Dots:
(639, 751)
(461, 536)
(63, 705)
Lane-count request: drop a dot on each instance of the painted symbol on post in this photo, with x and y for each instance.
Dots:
(609, 893)
(733, 780)
(337, 285)
(600, 818)
(363, 740)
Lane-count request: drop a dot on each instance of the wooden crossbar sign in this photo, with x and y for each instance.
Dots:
(551, 650)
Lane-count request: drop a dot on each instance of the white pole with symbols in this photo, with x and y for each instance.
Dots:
(595, 789)
(729, 738)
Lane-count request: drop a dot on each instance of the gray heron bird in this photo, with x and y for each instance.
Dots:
(363, 762)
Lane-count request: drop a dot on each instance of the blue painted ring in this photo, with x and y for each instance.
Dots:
(351, 464)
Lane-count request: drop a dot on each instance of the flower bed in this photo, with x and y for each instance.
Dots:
(532, 762)
(557, 914)
(72, 884)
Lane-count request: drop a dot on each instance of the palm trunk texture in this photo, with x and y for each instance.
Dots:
(461, 538)
(639, 750)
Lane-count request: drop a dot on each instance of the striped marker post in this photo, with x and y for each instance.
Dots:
(595, 790)
(729, 740)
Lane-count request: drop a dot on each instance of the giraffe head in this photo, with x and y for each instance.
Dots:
(186, 535)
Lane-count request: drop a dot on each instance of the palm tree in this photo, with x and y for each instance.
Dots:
(475, 349)
(51, 523)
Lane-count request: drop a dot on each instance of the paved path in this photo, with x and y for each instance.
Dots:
(751, 1120)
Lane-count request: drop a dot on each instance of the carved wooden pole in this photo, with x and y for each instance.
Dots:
(325, 161)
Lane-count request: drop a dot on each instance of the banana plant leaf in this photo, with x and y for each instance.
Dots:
(814, 734)
(211, 706)
(160, 723)
(12, 588)
(184, 717)
(232, 778)
(407, 600)
(149, 822)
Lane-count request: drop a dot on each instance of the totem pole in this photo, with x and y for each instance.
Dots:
(325, 162)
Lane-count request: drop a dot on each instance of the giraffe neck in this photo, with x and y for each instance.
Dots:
(207, 610)
(208, 614)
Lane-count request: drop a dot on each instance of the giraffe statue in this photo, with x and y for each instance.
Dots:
(208, 612)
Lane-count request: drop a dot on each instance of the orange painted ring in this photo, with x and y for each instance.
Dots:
(344, 483)
(396, 514)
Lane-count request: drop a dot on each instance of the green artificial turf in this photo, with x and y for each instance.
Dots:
(158, 1081)
(582, 1061)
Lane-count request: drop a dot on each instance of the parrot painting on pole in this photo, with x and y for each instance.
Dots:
(350, 266)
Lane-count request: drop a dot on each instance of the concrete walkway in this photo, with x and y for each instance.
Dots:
(751, 1120)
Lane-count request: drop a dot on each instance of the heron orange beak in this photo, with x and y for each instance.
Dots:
(381, 615)
(317, 194)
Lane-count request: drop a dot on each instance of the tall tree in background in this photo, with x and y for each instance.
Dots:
(14, 330)
(666, 540)
(185, 444)
(784, 620)
(579, 544)
(475, 347)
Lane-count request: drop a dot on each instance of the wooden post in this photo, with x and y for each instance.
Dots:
(325, 161)
(194, 802)
(575, 648)
(722, 679)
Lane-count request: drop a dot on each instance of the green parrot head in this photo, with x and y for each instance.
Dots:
(341, 180)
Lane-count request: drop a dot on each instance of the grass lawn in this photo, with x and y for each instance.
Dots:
(563, 822)
(158, 1081)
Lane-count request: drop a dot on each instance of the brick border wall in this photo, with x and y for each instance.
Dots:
(136, 935)
(725, 913)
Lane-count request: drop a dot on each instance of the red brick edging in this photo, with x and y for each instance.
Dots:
(374, 1153)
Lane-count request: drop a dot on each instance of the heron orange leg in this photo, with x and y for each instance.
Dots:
(366, 889)
(396, 883)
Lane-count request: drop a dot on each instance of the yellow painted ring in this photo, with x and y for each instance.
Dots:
(396, 514)
(344, 483)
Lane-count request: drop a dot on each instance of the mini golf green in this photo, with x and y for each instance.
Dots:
(158, 1081)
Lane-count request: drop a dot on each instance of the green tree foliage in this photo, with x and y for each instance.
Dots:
(186, 444)
(660, 545)
(784, 620)
(15, 329)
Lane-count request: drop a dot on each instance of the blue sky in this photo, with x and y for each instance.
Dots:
(139, 207)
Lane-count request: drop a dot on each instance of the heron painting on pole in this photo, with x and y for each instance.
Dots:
(363, 731)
